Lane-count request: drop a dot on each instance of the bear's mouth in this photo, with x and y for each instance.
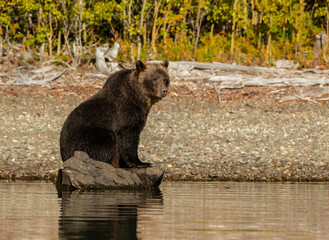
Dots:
(155, 97)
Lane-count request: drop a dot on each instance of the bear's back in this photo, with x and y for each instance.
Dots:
(105, 106)
(117, 79)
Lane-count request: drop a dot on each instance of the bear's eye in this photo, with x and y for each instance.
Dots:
(166, 81)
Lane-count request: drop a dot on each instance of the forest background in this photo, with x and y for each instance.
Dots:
(251, 32)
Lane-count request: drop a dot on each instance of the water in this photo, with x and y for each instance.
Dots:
(180, 210)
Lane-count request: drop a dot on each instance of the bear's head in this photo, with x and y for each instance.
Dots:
(154, 79)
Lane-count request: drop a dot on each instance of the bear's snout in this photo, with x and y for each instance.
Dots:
(164, 92)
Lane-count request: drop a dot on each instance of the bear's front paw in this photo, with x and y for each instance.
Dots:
(143, 165)
(128, 165)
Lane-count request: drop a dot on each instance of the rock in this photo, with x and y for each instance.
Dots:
(82, 172)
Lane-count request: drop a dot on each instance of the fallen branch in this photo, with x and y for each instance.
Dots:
(240, 82)
(305, 98)
(220, 66)
(323, 99)
(74, 94)
(25, 80)
(28, 65)
(56, 60)
(218, 94)
(43, 70)
(96, 75)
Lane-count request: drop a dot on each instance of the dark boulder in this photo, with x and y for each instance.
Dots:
(82, 172)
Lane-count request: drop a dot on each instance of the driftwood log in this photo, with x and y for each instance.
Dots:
(219, 66)
(84, 173)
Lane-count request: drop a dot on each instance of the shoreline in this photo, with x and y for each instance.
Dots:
(247, 136)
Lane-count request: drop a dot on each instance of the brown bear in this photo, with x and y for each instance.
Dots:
(107, 125)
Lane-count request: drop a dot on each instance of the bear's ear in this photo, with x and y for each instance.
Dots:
(140, 66)
(165, 63)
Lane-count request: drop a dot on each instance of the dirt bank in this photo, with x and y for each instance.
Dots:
(194, 134)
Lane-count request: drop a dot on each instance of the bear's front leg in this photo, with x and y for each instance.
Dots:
(128, 147)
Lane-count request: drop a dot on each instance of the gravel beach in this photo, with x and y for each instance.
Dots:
(240, 135)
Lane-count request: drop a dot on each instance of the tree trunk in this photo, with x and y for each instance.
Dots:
(212, 34)
(259, 41)
(327, 42)
(254, 17)
(165, 29)
(145, 35)
(39, 17)
(59, 42)
(125, 23)
(50, 36)
(156, 11)
(77, 44)
(129, 13)
(132, 53)
(84, 26)
(72, 51)
(198, 26)
(139, 46)
(1, 50)
(29, 25)
(80, 30)
(299, 27)
(268, 50)
(233, 28)
(140, 32)
(183, 28)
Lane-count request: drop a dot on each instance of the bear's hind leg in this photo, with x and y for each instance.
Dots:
(100, 144)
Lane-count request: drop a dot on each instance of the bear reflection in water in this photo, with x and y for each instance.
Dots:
(104, 215)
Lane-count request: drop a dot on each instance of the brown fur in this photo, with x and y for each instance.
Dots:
(147, 74)
(116, 156)
(107, 126)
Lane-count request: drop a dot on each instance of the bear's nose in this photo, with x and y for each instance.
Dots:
(164, 92)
